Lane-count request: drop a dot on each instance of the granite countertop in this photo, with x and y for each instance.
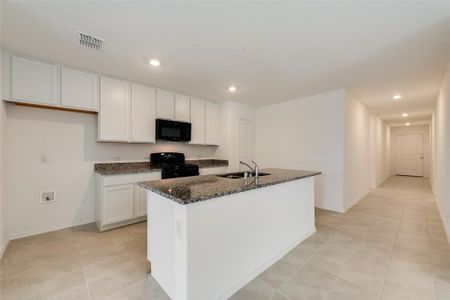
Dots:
(188, 190)
(121, 168)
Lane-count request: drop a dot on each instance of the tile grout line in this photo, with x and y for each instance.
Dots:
(380, 293)
(84, 273)
(304, 264)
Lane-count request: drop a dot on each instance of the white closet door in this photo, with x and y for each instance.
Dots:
(410, 155)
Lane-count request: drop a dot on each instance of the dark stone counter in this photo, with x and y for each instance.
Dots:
(199, 188)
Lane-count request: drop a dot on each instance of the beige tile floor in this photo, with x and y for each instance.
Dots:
(389, 246)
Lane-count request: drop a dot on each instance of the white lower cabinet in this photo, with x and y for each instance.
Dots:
(118, 203)
(140, 201)
(120, 200)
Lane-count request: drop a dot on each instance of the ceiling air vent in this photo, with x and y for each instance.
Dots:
(90, 41)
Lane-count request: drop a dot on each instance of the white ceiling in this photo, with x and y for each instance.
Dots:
(272, 51)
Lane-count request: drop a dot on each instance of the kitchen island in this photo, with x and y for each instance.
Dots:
(208, 236)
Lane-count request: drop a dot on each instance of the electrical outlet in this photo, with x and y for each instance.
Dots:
(48, 197)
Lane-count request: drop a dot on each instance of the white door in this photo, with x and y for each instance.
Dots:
(114, 115)
(409, 155)
(79, 89)
(143, 113)
(34, 81)
(197, 121)
(212, 123)
(245, 142)
(119, 203)
(165, 105)
(182, 108)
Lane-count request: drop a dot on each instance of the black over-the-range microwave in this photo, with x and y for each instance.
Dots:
(173, 131)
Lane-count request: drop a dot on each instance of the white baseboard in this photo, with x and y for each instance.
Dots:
(444, 221)
(265, 266)
(19, 235)
(3, 248)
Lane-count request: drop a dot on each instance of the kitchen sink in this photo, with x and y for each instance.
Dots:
(240, 175)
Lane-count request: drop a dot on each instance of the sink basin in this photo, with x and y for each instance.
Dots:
(240, 175)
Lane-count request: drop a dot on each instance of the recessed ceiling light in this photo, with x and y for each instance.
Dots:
(408, 124)
(404, 115)
(396, 97)
(232, 88)
(154, 62)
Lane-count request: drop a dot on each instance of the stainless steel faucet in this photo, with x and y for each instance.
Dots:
(247, 165)
(255, 169)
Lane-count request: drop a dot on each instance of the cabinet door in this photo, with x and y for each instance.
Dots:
(114, 114)
(140, 202)
(34, 81)
(182, 108)
(165, 105)
(198, 121)
(118, 203)
(143, 113)
(212, 121)
(79, 89)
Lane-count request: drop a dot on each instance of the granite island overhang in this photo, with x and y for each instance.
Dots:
(208, 236)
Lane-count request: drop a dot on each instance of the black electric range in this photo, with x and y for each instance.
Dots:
(172, 165)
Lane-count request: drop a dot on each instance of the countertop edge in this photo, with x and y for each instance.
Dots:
(218, 195)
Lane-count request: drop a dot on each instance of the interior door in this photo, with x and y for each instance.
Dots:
(410, 155)
(245, 142)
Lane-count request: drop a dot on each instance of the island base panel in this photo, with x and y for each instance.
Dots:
(211, 249)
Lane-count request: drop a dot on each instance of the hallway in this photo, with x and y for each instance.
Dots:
(389, 246)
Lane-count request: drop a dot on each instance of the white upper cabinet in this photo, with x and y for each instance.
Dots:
(79, 89)
(212, 123)
(34, 81)
(165, 105)
(114, 115)
(198, 121)
(143, 114)
(182, 108)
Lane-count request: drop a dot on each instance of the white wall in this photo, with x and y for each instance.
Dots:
(356, 152)
(423, 130)
(68, 140)
(3, 223)
(306, 134)
(232, 112)
(441, 151)
(380, 151)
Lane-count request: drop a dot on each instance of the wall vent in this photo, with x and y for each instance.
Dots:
(90, 41)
